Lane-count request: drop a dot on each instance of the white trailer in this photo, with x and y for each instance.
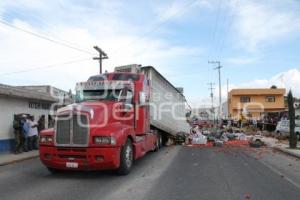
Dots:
(167, 104)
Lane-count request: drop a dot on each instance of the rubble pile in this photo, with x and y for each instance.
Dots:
(216, 137)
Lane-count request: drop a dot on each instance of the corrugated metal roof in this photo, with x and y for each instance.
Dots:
(17, 92)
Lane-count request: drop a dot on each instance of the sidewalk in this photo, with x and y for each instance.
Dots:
(9, 158)
(275, 144)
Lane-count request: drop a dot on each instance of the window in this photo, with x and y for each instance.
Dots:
(101, 77)
(270, 99)
(245, 99)
(125, 77)
(129, 96)
(97, 95)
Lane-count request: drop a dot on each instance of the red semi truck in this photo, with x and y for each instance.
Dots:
(117, 118)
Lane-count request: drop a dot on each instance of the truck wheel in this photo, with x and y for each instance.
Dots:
(157, 145)
(126, 158)
(160, 141)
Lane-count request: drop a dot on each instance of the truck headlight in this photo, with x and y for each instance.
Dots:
(105, 140)
(46, 139)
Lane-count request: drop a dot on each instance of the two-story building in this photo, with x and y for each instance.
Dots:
(253, 103)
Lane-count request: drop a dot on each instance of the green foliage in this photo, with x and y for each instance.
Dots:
(293, 137)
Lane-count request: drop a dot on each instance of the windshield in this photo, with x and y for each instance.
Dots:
(98, 95)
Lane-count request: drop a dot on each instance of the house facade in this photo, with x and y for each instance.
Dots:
(253, 103)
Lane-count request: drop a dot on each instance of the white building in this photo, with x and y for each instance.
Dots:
(33, 100)
(203, 113)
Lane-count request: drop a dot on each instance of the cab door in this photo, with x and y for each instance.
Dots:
(127, 114)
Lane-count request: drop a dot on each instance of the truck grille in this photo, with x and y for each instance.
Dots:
(63, 131)
(80, 130)
(72, 131)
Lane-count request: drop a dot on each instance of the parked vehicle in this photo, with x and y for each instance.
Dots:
(117, 118)
(283, 128)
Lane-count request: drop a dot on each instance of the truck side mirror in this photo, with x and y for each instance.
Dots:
(142, 98)
(128, 107)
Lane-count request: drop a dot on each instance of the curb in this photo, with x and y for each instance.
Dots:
(18, 160)
(287, 152)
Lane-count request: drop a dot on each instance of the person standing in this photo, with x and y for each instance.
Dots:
(18, 134)
(25, 133)
(41, 123)
(254, 122)
(33, 134)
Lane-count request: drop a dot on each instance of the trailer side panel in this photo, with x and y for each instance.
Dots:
(167, 104)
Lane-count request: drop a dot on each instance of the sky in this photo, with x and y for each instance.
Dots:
(51, 42)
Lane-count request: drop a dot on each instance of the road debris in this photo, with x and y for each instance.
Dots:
(202, 137)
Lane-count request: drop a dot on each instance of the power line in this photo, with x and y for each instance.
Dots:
(45, 67)
(216, 22)
(221, 43)
(40, 21)
(44, 37)
(183, 10)
(222, 27)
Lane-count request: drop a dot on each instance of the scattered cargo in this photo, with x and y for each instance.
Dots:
(216, 137)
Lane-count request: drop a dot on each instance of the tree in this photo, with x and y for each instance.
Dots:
(273, 87)
(293, 136)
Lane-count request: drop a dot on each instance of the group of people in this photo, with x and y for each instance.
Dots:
(27, 132)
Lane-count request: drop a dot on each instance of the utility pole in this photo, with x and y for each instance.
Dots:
(220, 87)
(102, 55)
(211, 88)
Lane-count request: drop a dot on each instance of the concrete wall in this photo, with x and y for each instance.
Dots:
(8, 107)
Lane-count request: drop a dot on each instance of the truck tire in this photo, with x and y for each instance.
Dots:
(126, 158)
(157, 143)
(160, 140)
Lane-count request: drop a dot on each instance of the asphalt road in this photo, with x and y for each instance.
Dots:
(172, 173)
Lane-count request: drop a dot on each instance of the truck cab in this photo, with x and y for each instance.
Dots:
(107, 128)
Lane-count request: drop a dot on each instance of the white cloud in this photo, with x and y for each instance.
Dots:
(173, 10)
(178, 9)
(124, 42)
(260, 23)
(289, 79)
(241, 60)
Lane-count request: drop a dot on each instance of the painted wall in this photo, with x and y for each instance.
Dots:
(8, 107)
(258, 103)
